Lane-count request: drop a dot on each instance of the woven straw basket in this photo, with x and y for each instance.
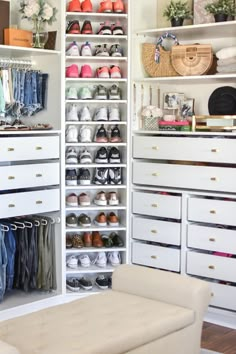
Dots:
(163, 68)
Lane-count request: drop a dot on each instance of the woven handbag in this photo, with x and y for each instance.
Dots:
(156, 60)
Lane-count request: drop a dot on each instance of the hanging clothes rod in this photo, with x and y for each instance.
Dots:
(8, 62)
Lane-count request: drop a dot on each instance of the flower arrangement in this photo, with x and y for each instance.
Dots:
(38, 10)
(177, 10)
(152, 111)
(226, 7)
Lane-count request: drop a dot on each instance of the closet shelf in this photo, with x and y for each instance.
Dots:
(108, 122)
(168, 132)
(19, 52)
(96, 144)
(30, 132)
(96, 228)
(96, 186)
(96, 165)
(95, 58)
(96, 207)
(191, 79)
(96, 37)
(97, 101)
(95, 79)
(94, 249)
(91, 269)
(193, 32)
(97, 16)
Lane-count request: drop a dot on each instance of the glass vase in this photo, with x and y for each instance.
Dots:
(40, 35)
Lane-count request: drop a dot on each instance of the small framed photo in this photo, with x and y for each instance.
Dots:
(172, 100)
(187, 107)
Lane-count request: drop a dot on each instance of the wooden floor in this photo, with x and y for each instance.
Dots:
(217, 338)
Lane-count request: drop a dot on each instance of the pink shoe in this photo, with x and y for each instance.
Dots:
(72, 71)
(115, 72)
(86, 71)
(102, 72)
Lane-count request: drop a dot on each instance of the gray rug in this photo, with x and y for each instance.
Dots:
(205, 351)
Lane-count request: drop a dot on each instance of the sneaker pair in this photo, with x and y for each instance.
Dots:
(72, 179)
(102, 93)
(73, 27)
(106, 28)
(114, 51)
(103, 113)
(104, 72)
(105, 156)
(74, 50)
(75, 6)
(74, 284)
(72, 71)
(104, 175)
(101, 135)
(84, 93)
(73, 200)
(112, 240)
(109, 6)
(85, 134)
(73, 158)
(102, 200)
(83, 115)
(111, 219)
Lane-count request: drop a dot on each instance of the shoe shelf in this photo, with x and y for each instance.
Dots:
(86, 37)
(97, 101)
(94, 165)
(191, 79)
(96, 79)
(96, 186)
(20, 52)
(94, 250)
(96, 144)
(91, 269)
(95, 58)
(109, 122)
(84, 293)
(97, 208)
(95, 228)
(95, 16)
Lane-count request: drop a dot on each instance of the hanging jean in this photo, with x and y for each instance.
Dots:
(2, 101)
(3, 265)
(44, 89)
(10, 244)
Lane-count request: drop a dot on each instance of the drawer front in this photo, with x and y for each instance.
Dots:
(29, 148)
(155, 256)
(214, 267)
(155, 204)
(223, 296)
(188, 149)
(156, 231)
(182, 176)
(212, 238)
(26, 203)
(25, 176)
(212, 211)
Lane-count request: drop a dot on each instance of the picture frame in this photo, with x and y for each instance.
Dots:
(172, 100)
(187, 107)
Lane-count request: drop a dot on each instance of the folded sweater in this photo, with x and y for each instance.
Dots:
(226, 53)
(226, 61)
(226, 68)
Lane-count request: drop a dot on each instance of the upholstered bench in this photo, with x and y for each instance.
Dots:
(148, 311)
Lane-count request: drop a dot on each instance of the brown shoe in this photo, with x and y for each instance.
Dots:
(87, 238)
(101, 220)
(97, 239)
(77, 241)
(113, 219)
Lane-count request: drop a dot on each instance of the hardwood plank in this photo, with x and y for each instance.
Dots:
(218, 338)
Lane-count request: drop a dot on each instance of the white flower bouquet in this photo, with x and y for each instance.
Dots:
(38, 10)
(151, 116)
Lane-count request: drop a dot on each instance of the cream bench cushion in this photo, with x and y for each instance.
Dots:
(5, 348)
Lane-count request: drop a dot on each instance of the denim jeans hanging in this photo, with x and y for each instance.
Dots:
(10, 244)
(3, 265)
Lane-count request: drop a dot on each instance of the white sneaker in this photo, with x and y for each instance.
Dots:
(72, 262)
(72, 114)
(100, 199)
(85, 157)
(71, 134)
(84, 260)
(71, 156)
(86, 50)
(114, 113)
(85, 134)
(114, 258)
(101, 114)
(85, 114)
(101, 260)
(71, 93)
(73, 49)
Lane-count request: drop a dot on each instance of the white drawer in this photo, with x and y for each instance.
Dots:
(26, 176)
(156, 231)
(25, 203)
(212, 211)
(223, 296)
(210, 266)
(29, 148)
(182, 176)
(156, 204)
(212, 238)
(155, 256)
(188, 149)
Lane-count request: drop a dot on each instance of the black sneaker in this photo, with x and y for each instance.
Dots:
(116, 240)
(71, 177)
(102, 282)
(115, 175)
(101, 155)
(115, 135)
(101, 51)
(101, 175)
(110, 281)
(101, 135)
(72, 284)
(85, 283)
(114, 155)
(116, 50)
(84, 176)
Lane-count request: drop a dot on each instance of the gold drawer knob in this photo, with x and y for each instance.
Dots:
(11, 149)
(155, 174)
(154, 206)
(11, 177)
(11, 205)
(155, 148)
(214, 179)
(154, 231)
(211, 267)
(212, 211)
(38, 148)
(39, 202)
(212, 239)
(39, 175)
(214, 150)
(212, 294)
(154, 257)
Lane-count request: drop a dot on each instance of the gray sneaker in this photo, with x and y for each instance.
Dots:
(84, 176)
(114, 93)
(84, 220)
(71, 220)
(100, 93)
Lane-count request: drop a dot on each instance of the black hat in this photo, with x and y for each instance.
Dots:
(222, 101)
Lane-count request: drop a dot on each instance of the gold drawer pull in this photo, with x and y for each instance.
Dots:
(11, 177)
(11, 149)
(155, 174)
(212, 211)
(154, 231)
(39, 202)
(11, 205)
(211, 239)
(154, 257)
(211, 267)
(39, 175)
(212, 294)
(214, 179)
(214, 150)
(154, 206)
(38, 148)
(155, 148)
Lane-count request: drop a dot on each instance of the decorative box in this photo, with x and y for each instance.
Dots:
(175, 126)
(4, 18)
(17, 37)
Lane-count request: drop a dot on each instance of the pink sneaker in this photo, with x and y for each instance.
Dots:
(86, 71)
(102, 72)
(72, 71)
(115, 72)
